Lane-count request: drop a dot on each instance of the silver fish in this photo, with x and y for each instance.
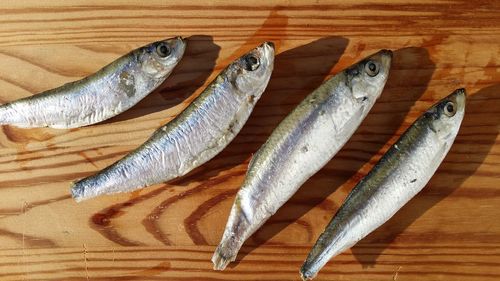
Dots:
(399, 175)
(300, 146)
(100, 96)
(195, 136)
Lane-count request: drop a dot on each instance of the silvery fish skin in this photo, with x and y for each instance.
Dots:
(300, 146)
(196, 135)
(100, 96)
(399, 175)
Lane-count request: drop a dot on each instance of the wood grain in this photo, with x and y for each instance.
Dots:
(450, 231)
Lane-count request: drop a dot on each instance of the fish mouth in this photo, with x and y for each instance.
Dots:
(176, 39)
(270, 44)
(182, 42)
(179, 47)
(386, 52)
(266, 49)
(386, 58)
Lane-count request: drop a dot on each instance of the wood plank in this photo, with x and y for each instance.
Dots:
(266, 263)
(450, 231)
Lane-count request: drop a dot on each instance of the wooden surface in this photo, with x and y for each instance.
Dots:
(450, 231)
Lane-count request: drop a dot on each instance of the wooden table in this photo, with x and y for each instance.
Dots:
(450, 231)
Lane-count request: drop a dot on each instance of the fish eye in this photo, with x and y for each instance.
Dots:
(163, 50)
(251, 63)
(371, 68)
(449, 109)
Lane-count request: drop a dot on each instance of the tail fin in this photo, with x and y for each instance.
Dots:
(225, 253)
(77, 191)
(306, 275)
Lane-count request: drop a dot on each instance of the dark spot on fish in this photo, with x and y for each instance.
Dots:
(230, 128)
(432, 114)
(413, 180)
(251, 99)
(127, 83)
(352, 71)
(364, 98)
(321, 112)
(304, 149)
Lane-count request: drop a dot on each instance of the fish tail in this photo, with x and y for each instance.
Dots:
(306, 275)
(85, 189)
(77, 191)
(225, 253)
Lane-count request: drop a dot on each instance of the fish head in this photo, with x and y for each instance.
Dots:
(250, 73)
(367, 78)
(445, 117)
(158, 59)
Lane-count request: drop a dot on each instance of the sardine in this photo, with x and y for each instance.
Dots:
(100, 96)
(399, 175)
(195, 136)
(300, 146)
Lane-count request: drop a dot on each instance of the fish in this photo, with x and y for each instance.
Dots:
(399, 175)
(300, 146)
(194, 136)
(110, 91)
